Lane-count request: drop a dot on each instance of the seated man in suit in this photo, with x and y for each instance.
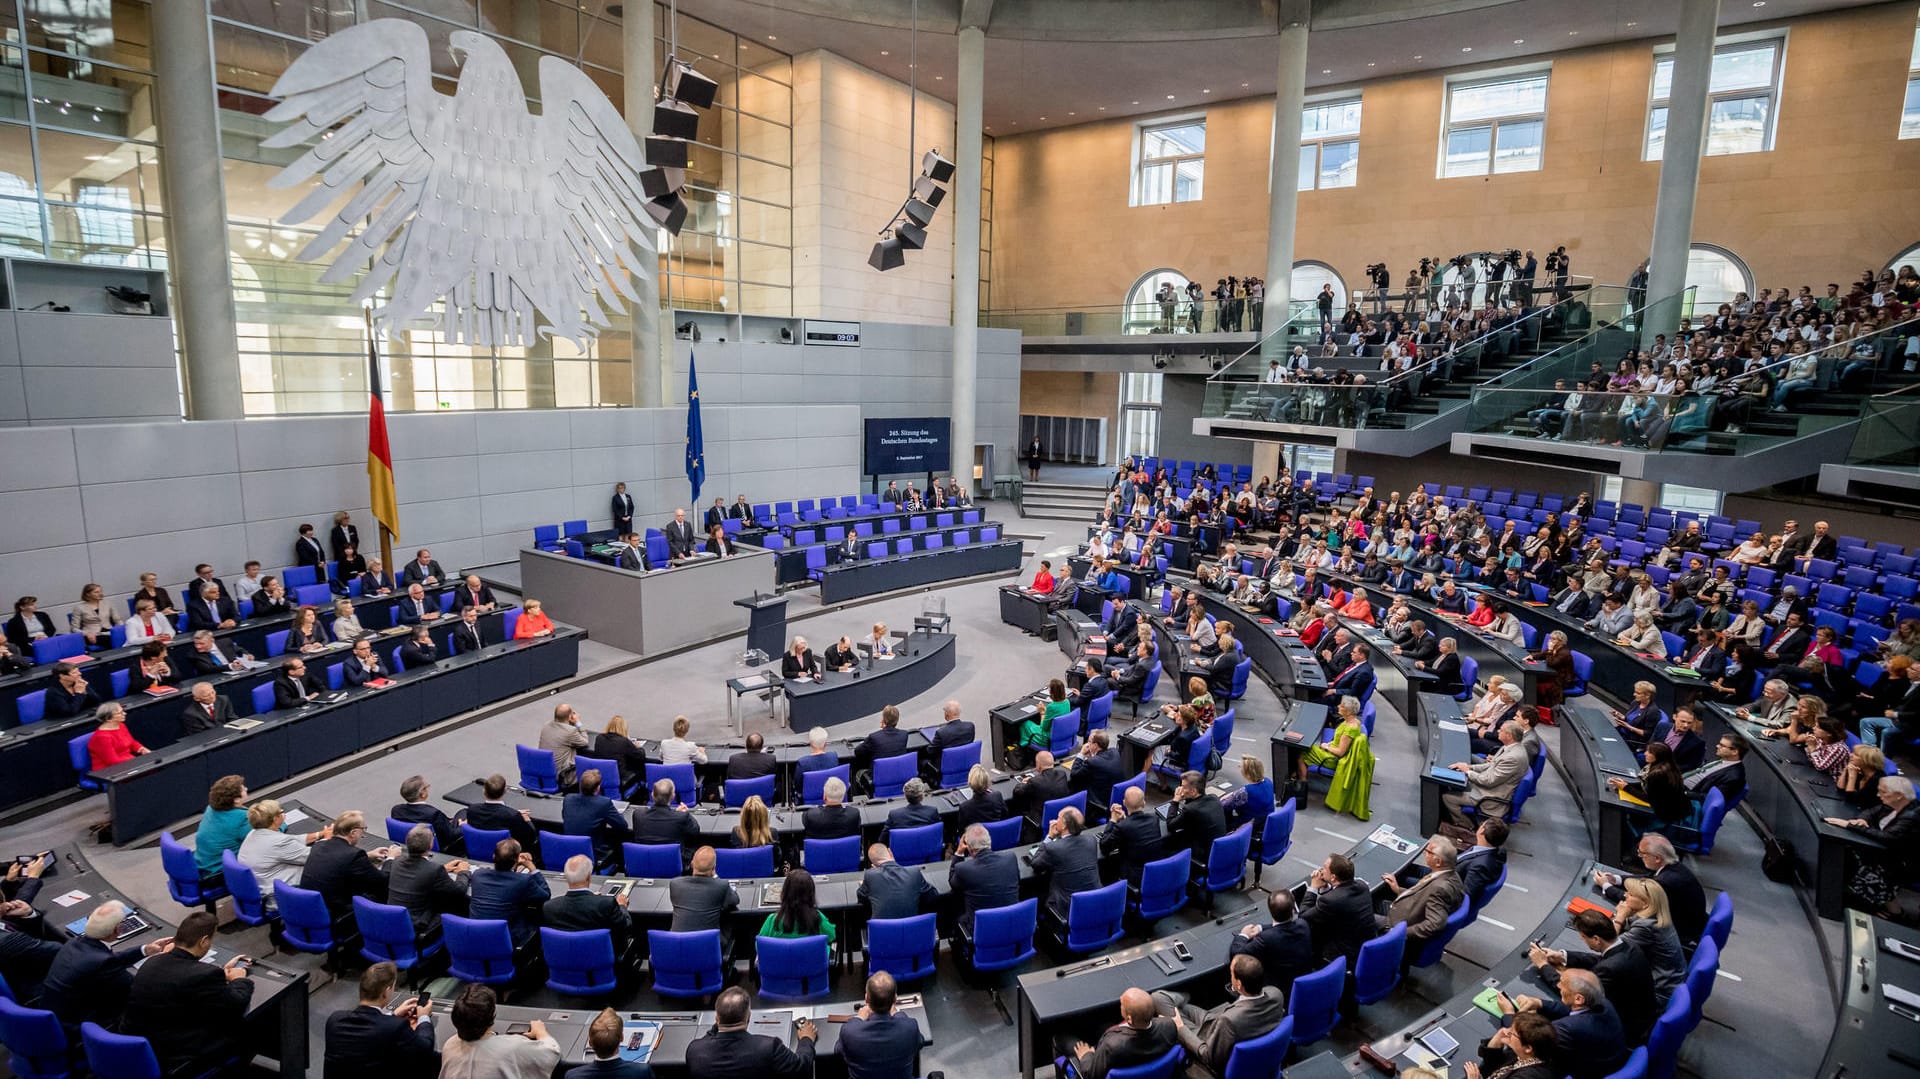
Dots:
(426, 888)
(729, 1050)
(209, 658)
(742, 511)
(191, 1013)
(916, 813)
(1196, 818)
(1727, 772)
(423, 570)
(591, 813)
(1093, 686)
(1338, 910)
(1255, 1008)
(211, 609)
(703, 901)
(416, 608)
(604, 1042)
(1625, 973)
(1480, 865)
(419, 650)
(1046, 783)
(840, 655)
(1070, 859)
(832, 819)
(493, 814)
(1355, 677)
(754, 761)
(1133, 838)
(952, 731)
(581, 908)
(665, 820)
(368, 1040)
(88, 981)
(473, 593)
(1141, 1036)
(632, 554)
(716, 515)
(467, 635)
(982, 878)
(1588, 1041)
(1284, 949)
(1490, 783)
(1425, 905)
(413, 808)
(294, 687)
(1097, 769)
(1421, 646)
(206, 711)
(339, 870)
(892, 890)
(513, 891)
(888, 741)
(878, 1040)
(363, 666)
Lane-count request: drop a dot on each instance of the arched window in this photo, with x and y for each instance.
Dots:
(1909, 257)
(1309, 276)
(1715, 274)
(1142, 312)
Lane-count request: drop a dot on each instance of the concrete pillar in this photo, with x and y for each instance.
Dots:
(1283, 201)
(637, 60)
(197, 208)
(966, 245)
(1680, 160)
(1638, 493)
(1267, 460)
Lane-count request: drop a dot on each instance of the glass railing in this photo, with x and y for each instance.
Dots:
(1613, 326)
(1181, 318)
(1889, 432)
(1645, 421)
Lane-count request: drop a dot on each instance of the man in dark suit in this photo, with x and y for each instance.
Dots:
(1284, 949)
(203, 579)
(754, 761)
(892, 890)
(206, 711)
(742, 511)
(982, 878)
(494, 815)
(1686, 900)
(343, 535)
(716, 516)
(879, 1042)
(679, 536)
(916, 813)
(1097, 769)
(363, 666)
(413, 808)
(1788, 643)
(591, 813)
(339, 870)
(1626, 976)
(1424, 906)
(1339, 910)
(1707, 656)
(1047, 783)
(365, 1040)
(952, 731)
(1588, 1039)
(423, 570)
(415, 608)
(426, 888)
(604, 1036)
(1355, 679)
(621, 510)
(702, 900)
(728, 1051)
(1141, 1036)
(1093, 686)
(473, 593)
(88, 981)
(307, 550)
(419, 650)
(1480, 865)
(888, 741)
(467, 635)
(1133, 837)
(633, 553)
(1420, 646)
(581, 908)
(1819, 545)
(293, 686)
(665, 820)
(211, 609)
(513, 891)
(832, 819)
(207, 657)
(1196, 818)
(1681, 733)
(1727, 772)
(1070, 858)
(192, 1013)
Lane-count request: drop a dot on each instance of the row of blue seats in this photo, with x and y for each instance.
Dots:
(40, 1049)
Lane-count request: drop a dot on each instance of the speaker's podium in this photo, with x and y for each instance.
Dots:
(766, 622)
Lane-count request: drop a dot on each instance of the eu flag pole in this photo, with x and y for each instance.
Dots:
(696, 447)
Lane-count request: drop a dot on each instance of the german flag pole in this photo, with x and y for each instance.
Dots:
(386, 505)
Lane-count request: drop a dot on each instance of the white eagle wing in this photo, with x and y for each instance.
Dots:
(593, 166)
(374, 81)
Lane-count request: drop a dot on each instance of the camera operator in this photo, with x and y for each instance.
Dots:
(1196, 299)
(1529, 271)
(1381, 279)
(1257, 301)
(1221, 315)
(1559, 266)
(1467, 278)
(1168, 300)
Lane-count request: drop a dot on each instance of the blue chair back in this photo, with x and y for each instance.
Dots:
(609, 773)
(1119, 795)
(478, 949)
(1469, 674)
(119, 1056)
(890, 774)
(277, 642)
(1634, 1068)
(1062, 732)
(120, 681)
(479, 842)
(742, 864)
(1720, 920)
(305, 923)
(1663, 1042)
(1050, 811)
(1431, 950)
(1163, 886)
(903, 947)
(1005, 832)
(1713, 813)
(397, 832)
(573, 528)
(956, 762)
(686, 788)
(579, 963)
(1241, 672)
(546, 537)
(262, 699)
(537, 770)
(249, 908)
(1003, 936)
(58, 647)
(1377, 970)
(661, 860)
(1161, 1068)
(919, 846)
(80, 757)
(737, 791)
(32, 707)
(386, 934)
(813, 784)
(1701, 973)
(1260, 1058)
(37, 1043)
(1094, 918)
(831, 855)
(1100, 710)
(1315, 1003)
(183, 875)
(1480, 900)
(1276, 836)
(794, 968)
(1221, 732)
(685, 964)
(555, 849)
(1227, 862)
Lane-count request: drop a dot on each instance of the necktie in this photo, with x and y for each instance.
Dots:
(209, 710)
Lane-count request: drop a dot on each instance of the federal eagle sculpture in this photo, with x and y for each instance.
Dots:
(522, 223)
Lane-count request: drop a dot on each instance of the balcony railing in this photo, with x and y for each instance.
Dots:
(1120, 320)
(1889, 432)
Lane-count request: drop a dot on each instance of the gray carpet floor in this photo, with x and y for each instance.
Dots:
(1771, 1013)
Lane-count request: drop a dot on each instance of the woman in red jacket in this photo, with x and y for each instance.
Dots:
(112, 742)
(533, 622)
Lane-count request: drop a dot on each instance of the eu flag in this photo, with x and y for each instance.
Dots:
(696, 447)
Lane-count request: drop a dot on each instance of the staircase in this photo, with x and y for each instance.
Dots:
(1062, 501)
(1438, 397)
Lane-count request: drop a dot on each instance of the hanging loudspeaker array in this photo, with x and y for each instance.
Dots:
(907, 230)
(676, 122)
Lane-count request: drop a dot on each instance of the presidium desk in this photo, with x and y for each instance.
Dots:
(651, 613)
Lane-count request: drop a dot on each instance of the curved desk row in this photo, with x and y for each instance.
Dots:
(1494, 655)
(34, 757)
(1287, 664)
(791, 561)
(1615, 669)
(1873, 1040)
(921, 660)
(871, 577)
(1592, 752)
(169, 784)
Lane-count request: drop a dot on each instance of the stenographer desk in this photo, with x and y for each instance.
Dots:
(874, 576)
(276, 1016)
(1495, 655)
(648, 613)
(1444, 741)
(168, 784)
(1870, 1039)
(1615, 669)
(1278, 654)
(920, 660)
(1591, 752)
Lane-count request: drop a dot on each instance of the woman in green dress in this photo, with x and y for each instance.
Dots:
(1036, 732)
(1352, 761)
(799, 913)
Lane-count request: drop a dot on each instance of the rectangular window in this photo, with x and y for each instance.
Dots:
(1169, 161)
(1740, 94)
(1330, 144)
(1673, 496)
(1495, 125)
(1140, 413)
(1910, 112)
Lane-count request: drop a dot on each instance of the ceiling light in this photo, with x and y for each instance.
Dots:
(1071, 113)
(1244, 85)
(1369, 63)
(1466, 48)
(1573, 33)
(1419, 57)
(770, 37)
(1206, 91)
(1519, 41)
(1103, 108)
(1759, 3)
(1043, 118)
(1633, 24)
(939, 78)
(1326, 71)
(1169, 97)
(884, 52)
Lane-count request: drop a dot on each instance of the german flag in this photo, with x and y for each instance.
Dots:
(386, 505)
